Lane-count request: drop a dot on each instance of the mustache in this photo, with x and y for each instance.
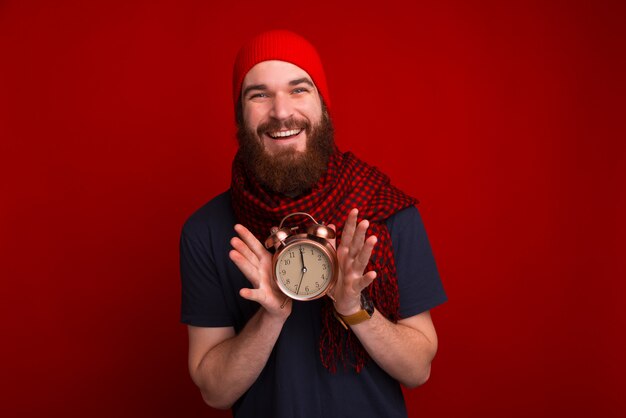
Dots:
(273, 125)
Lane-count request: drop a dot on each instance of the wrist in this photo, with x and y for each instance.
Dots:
(278, 315)
(363, 313)
(346, 308)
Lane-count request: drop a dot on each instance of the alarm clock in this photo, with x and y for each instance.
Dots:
(304, 265)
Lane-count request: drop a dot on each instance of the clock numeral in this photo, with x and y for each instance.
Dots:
(306, 289)
(323, 276)
(287, 281)
(319, 257)
(283, 272)
(292, 254)
(324, 266)
(287, 262)
(317, 284)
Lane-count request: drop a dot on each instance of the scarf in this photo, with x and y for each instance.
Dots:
(347, 183)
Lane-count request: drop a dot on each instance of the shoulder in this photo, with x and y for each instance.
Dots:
(212, 224)
(216, 214)
(408, 235)
(407, 218)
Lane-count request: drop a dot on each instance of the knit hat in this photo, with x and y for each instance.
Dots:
(279, 45)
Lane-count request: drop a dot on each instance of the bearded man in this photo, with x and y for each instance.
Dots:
(251, 348)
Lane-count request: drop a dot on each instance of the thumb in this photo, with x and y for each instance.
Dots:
(255, 295)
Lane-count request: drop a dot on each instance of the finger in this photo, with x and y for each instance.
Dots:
(248, 237)
(366, 280)
(254, 295)
(342, 256)
(349, 227)
(244, 250)
(363, 257)
(248, 270)
(359, 237)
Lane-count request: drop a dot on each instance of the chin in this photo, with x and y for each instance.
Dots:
(291, 149)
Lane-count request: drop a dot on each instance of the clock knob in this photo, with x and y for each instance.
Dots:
(320, 231)
(277, 237)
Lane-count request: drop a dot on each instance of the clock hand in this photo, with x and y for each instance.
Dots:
(299, 284)
(303, 270)
(302, 258)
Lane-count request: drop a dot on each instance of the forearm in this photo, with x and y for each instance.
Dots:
(230, 368)
(403, 352)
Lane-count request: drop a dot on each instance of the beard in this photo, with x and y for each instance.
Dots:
(288, 171)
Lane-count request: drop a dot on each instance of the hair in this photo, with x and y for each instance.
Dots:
(287, 172)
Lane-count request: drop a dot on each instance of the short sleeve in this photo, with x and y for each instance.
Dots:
(203, 303)
(419, 283)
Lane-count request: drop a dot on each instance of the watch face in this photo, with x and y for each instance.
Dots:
(304, 270)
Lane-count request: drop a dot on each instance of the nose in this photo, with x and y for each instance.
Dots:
(282, 107)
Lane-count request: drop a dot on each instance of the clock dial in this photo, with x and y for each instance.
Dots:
(303, 270)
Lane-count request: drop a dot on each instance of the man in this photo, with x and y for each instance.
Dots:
(249, 347)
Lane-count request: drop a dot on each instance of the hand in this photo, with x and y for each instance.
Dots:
(255, 262)
(353, 255)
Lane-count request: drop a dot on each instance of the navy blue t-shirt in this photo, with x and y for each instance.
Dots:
(294, 383)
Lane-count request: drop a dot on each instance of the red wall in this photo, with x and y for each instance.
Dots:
(506, 119)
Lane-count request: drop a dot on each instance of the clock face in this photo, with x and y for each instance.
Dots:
(304, 270)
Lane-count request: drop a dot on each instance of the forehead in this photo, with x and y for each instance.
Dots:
(274, 73)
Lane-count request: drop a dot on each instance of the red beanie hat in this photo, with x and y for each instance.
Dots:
(279, 45)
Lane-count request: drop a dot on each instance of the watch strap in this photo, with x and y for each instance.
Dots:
(366, 312)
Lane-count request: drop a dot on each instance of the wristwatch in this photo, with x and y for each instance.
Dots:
(366, 312)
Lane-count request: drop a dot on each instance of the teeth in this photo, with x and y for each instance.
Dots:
(282, 134)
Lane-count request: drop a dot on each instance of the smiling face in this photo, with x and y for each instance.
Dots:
(281, 104)
(284, 131)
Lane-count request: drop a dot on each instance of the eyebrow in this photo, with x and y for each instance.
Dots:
(300, 81)
(263, 87)
(254, 87)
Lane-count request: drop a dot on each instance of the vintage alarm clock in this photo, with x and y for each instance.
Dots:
(304, 264)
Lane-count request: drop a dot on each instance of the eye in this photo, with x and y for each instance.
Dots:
(299, 90)
(257, 95)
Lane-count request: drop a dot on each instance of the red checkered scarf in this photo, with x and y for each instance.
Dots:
(348, 183)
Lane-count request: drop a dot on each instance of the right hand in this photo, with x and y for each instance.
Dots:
(255, 262)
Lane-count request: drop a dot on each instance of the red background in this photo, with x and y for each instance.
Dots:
(506, 119)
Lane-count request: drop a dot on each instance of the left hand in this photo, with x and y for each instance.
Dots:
(353, 254)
